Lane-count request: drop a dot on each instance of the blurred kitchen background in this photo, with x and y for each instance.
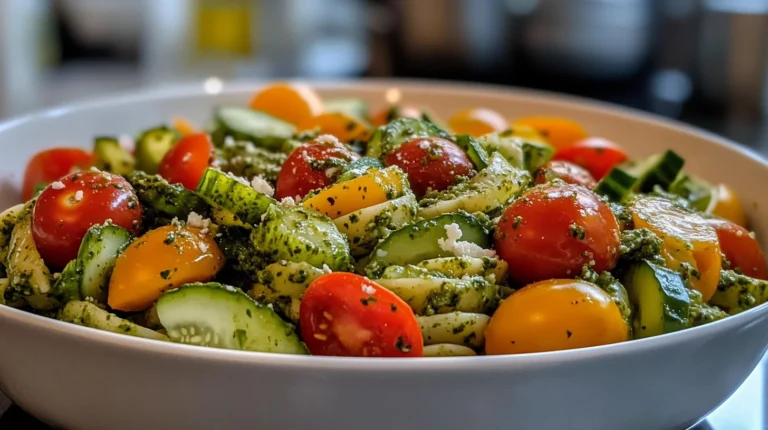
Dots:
(702, 61)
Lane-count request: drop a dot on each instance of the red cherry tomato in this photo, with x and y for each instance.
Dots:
(553, 231)
(344, 314)
(52, 164)
(740, 248)
(595, 154)
(566, 171)
(186, 162)
(67, 208)
(312, 166)
(431, 163)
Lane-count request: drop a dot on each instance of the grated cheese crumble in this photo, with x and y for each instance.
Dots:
(452, 244)
(259, 184)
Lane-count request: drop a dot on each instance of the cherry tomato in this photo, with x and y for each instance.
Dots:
(595, 154)
(159, 260)
(186, 162)
(740, 248)
(431, 163)
(67, 208)
(553, 231)
(727, 205)
(553, 315)
(560, 132)
(52, 164)
(344, 314)
(311, 166)
(566, 171)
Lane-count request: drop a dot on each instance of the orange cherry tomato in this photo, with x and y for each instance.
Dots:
(160, 260)
(477, 122)
(568, 172)
(552, 231)
(344, 314)
(554, 315)
(595, 154)
(560, 132)
(293, 103)
(343, 126)
(67, 208)
(184, 126)
(186, 162)
(740, 248)
(52, 164)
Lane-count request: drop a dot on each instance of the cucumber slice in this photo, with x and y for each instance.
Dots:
(157, 193)
(364, 228)
(242, 123)
(350, 105)
(616, 185)
(224, 217)
(448, 350)
(111, 157)
(422, 240)
(458, 328)
(67, 286)
(389, 137)
(297, 234)
(519, 152)
(28, 277)
(700, 194)
(151, 147)
(490, 189)
(661, 302)
(429, 295)
(474, 150)
(235, 195)
(659, 169)
(99, 249)
(89, 315)
(358, 168)
(221, 316)
(282, 285)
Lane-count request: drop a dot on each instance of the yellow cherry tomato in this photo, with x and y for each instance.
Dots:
(526, 133)
(553, 315)
(726, 204)
(293, 103)
(375, 187)
(560, 132)
(687, 239)
(344, 126)
(477, 122)
(162, 259)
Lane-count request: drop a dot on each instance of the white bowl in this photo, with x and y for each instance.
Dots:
(76, 377)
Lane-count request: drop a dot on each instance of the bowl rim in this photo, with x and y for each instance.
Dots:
(390, 365)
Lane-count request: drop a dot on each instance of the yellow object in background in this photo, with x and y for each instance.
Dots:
(477, 122)
(560, 132)
(224, 27)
